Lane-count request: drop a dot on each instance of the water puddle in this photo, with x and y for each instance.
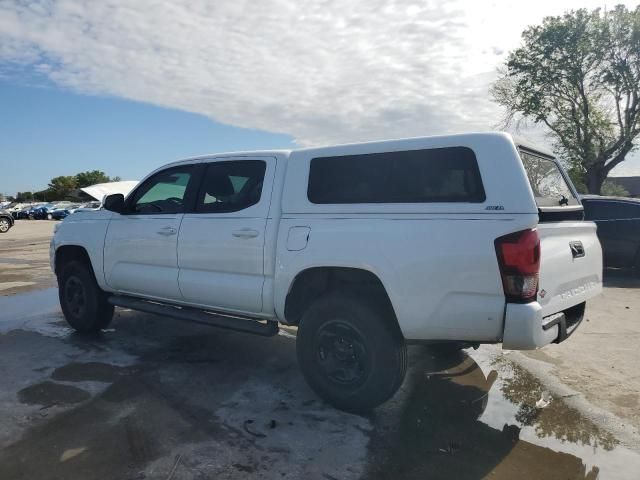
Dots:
(17, 310)
(90, 372)
(50, 393)
(481, 416)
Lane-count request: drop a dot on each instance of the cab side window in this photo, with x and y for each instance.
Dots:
(165, 192)
(231, 186)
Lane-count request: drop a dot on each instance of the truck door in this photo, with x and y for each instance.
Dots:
(140, 252)
(221, 243)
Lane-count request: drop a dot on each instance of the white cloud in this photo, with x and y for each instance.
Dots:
(321, 71)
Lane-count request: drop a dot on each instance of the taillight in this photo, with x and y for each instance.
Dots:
(519, 259)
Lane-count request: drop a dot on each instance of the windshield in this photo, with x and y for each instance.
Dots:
(547, 181)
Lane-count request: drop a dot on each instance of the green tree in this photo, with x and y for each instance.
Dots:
(608, 187)
(86, 179)
(579, 75)
(24, 196)
(61, 187)
(613, 189)
(45, 195)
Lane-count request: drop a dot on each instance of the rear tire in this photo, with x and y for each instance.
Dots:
(5, 225)
(49, 216)
(83, 303)
(351, 353)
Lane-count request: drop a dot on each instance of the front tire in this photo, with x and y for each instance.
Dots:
(83, 303)
(351, 353)
(5, 225)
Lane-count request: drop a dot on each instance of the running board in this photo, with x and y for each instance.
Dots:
(266, 328)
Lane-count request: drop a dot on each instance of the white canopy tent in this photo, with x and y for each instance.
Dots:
(100, 190)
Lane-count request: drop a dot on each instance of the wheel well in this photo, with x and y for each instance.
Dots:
(67, 253)
(314, 282)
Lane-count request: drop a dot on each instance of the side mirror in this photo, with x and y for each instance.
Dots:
(114, 203)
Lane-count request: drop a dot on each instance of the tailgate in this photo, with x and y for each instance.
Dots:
(570, 265)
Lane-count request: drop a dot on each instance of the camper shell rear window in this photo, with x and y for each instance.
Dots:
(549, 185)
(416, 176)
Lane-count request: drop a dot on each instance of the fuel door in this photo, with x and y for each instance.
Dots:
(298, 238)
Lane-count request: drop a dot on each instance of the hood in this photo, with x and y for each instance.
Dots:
(100, 190)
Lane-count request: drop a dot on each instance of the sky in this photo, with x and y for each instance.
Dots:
(126, 86)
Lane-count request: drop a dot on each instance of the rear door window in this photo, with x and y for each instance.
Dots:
(231, 186)
(415, 176)
(550, 188)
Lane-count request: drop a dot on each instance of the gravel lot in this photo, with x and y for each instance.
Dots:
(155, 398)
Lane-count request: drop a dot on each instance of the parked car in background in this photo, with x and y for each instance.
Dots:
(21, 213)
(28, 211)
(15, 208)
(89, 207)
(61, 213)
(618, 221)
(6, 221)
(45, 212)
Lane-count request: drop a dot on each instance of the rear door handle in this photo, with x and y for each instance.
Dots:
(167, 231)
(246, 233)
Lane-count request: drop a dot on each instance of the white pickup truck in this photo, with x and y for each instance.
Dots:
(469, 239)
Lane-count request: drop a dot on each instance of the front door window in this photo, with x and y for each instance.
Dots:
(163, 193)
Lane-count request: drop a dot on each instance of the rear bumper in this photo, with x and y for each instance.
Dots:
(526, 329)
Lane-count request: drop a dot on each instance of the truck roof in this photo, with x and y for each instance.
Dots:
(391, 143)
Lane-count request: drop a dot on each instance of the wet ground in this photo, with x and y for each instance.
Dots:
(153, 398)
(24, 257)
(602, 360)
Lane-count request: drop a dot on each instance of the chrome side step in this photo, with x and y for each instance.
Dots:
(265, 328)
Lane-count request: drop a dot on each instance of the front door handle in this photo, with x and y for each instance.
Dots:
(246, 233)
(166, 231)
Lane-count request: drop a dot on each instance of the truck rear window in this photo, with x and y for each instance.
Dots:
(414, 176)
(549, 185)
